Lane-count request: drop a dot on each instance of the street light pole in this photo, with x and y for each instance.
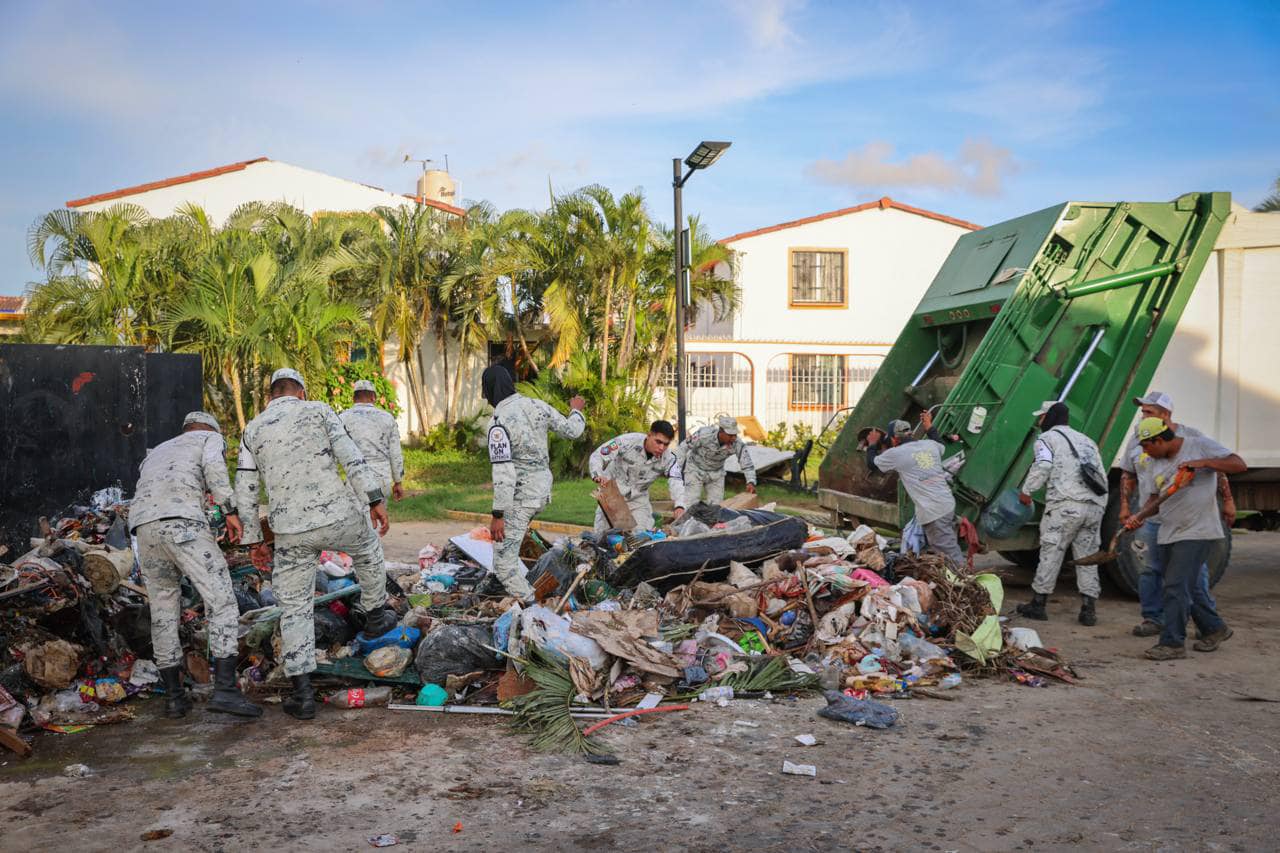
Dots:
(702, 157)
(678, 251)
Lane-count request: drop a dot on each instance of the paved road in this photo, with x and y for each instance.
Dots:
(1141, 756)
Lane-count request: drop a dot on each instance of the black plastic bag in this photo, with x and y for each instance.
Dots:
(860, 712)
(455, 650)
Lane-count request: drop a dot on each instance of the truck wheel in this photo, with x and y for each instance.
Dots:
(1124, 570)
(1028, 558)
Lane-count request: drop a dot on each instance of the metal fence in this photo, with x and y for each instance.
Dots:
(715, 383)
(809, 389)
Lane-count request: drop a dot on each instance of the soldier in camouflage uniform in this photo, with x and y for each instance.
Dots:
(1072, 511)
(634, 460)
(376, 434)
(296, 445)
(174, 540)
(702, 459)
(521, 468)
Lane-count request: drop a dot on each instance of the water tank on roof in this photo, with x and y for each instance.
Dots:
(436, 185)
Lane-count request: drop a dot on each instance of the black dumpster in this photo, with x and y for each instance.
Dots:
(74, 419)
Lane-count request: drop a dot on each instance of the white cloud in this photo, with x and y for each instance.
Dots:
(979, 168)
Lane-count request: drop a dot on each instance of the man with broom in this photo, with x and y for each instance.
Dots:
(1189, 524)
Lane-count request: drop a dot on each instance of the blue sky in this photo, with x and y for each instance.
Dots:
(979, 110)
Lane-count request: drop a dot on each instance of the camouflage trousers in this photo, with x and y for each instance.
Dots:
(293, 580)
(168, 550)
(506, 554)
(696, 481)
(1075, 525)
(641, 511)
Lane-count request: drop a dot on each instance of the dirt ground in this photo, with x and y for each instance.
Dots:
(1140, 756)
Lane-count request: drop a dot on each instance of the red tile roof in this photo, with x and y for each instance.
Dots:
(882, 204)
(12, 304)
(438, 205)
(167, 182)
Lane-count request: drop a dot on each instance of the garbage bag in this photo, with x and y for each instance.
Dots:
(860, 712)
(455, 650)
(550, 632)
(388, 661)
(331, 629)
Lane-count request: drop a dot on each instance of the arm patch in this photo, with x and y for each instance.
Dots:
(499, 445)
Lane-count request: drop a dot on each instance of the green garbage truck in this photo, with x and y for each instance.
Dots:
(1077, 302)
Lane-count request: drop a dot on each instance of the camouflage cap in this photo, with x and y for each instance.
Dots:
(899, 429)
(728, 425)
(201, 418)
(288, 373)
(364, 385)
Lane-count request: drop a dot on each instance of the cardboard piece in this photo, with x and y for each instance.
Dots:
(621, 633)
(614, 506)
(744, 500)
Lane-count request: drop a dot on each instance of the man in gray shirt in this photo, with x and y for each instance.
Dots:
(918, 464)
(1189, 524)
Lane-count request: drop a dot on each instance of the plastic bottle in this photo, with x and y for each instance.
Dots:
(1003, 516)
(358, 697)
(711, 694)
(831, 676)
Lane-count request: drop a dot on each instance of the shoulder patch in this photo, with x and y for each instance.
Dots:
(499, 444)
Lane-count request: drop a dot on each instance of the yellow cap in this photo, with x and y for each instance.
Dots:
(1149, 428)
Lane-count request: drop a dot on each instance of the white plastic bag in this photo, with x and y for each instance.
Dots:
(551, 633)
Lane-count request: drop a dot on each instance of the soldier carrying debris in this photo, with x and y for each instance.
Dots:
(702, 459)
(375, 432)
(174, 540)
(521, 467)
(1069, 466)
(634, 460)
(296, 446)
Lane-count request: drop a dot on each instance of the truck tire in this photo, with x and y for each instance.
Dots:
(1028, 558)
(1124, 570)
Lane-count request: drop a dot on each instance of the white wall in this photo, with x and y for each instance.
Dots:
(893, 257)
(268, 181)
(469, 400)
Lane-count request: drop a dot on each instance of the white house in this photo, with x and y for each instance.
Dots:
(222, 189)
(823, 299)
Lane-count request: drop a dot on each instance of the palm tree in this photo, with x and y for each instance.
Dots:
(226, 315)
(99, 286)
(1270, 204)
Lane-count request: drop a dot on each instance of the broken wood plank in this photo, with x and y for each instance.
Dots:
(614, 506)
(13, 742)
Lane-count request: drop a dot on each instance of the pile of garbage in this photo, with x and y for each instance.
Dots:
(729, 604)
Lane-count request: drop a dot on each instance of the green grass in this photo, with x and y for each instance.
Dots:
(436, 482)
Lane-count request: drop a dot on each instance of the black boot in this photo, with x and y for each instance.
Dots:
(176, 701)
(301, 704)
(227, 698)
(379, 622)
(1088, 614)
(1034, 609)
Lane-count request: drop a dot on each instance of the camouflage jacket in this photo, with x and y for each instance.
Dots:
(625, 461)
(518, 450)
(175, 476)
(1056, 466)
(296, 445)
(376, 434)
(703, 453)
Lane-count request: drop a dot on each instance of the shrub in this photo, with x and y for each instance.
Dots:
(337, 391)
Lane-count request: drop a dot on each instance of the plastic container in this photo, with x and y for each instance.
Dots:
(712, 694)
(359, 697)
(949, 681)
(869, 665)
(1003, 516)
(432, 696)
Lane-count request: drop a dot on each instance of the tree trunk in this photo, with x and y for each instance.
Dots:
(628, 337)
(415, 394)
(457, 380)
(515, 313)
(604, 330)
(443, 335)
(237, 393)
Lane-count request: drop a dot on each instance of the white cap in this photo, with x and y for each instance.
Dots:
(364, 385)
(1044, 407)
(1155, 398)
(201, 418)
(728, 425)
(288, 373)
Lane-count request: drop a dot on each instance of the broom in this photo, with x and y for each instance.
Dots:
(1184, 477)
